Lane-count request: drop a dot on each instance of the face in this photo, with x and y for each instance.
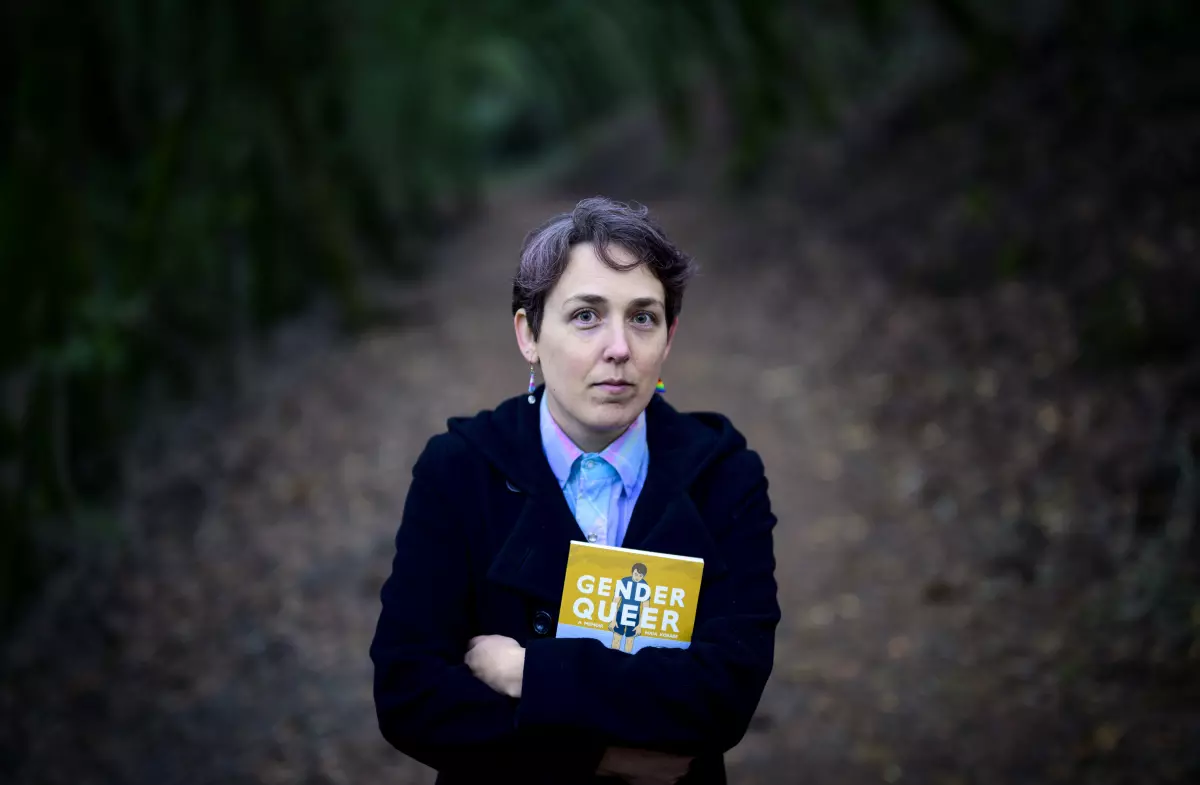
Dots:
(637, 576)
(602, 345)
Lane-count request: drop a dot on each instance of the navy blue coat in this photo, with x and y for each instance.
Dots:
(482, 549)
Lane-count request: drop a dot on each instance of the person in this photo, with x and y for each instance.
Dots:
(469, 678)
(627, 616)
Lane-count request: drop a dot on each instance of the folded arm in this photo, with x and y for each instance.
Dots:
(428, 703)
(678, 700)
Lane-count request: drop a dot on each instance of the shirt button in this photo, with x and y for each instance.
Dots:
(592, 537)
(541, 623)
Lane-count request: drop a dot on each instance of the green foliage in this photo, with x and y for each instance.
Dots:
(176, 177)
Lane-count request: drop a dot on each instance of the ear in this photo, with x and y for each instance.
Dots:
(671, 336)
(525, 339)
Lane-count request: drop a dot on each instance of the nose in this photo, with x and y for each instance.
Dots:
(617, 349)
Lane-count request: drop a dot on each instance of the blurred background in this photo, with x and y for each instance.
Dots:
(254, 254)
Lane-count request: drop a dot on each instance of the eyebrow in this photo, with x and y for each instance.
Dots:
(596, 299)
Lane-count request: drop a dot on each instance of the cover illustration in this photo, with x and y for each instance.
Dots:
(629, 599)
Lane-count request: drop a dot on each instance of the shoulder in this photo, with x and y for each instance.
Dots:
(733, 473)
(489, 437)
(728, 453)
(444, 449)
(474, 434)
(449, 455)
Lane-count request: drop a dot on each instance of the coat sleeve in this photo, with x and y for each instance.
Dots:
(676, 700)
(429, 704)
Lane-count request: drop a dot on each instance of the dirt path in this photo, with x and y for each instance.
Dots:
(231, 646)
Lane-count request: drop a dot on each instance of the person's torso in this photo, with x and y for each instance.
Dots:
(515, 529)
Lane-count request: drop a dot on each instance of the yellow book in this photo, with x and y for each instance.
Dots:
(629, 599)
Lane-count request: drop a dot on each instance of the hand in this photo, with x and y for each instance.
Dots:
(643, 767)
(636, 632)
(498, 662)
(612, 627)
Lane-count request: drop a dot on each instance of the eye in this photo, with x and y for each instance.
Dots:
(586, 317)
(645, 319)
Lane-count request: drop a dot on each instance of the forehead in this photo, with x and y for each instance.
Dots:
(586, 273)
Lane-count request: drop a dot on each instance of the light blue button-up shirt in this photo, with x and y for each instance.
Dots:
(601, 488)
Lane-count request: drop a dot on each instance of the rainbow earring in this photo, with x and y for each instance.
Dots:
(531, 399)
(661, 387)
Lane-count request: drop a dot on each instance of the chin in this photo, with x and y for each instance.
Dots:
(611, 415)
(609, 418)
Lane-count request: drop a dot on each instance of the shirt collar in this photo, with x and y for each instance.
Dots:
(626, 454)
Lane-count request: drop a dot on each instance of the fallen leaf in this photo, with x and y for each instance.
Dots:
(939, 591)
(820, 615)
(1106, 737)
(1049, 418)
(932, 436)
(898, 647)
(829, 466)
(857, 437)
(985, 383)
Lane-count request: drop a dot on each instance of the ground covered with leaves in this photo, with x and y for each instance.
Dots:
(977, 584)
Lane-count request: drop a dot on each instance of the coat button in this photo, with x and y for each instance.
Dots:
(541, 623)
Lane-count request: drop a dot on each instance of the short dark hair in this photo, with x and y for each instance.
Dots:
(639, 567)
(602, 222)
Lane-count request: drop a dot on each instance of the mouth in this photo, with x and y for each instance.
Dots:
(614, 385)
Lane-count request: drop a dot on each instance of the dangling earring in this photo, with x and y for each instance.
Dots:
(661, 387)
(531, 399)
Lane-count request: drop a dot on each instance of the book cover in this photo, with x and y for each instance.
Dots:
(629, 599)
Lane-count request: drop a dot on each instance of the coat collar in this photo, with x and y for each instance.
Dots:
(534, 556)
